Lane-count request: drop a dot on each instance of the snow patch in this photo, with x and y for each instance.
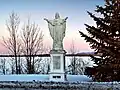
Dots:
(41, 77)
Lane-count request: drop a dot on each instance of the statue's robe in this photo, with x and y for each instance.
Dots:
(57, 29)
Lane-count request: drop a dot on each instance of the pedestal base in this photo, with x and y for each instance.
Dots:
(57, 76)
(57, 66)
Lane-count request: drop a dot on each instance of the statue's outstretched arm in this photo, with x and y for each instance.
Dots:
(48, 21)
(64, 20)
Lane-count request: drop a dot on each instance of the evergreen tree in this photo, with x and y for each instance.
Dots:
(104, 38)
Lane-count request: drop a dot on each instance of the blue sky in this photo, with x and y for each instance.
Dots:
(75, 10)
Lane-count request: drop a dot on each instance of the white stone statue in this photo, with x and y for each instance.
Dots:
(57, 29)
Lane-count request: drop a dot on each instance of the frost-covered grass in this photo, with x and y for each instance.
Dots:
(49, 85)
(41, 82)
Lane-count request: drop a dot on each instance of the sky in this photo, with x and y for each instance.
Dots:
(37, 10)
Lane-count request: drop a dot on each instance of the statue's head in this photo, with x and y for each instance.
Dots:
(57, 16)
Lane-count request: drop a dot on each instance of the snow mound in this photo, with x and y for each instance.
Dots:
(42, 77)
(78, 78)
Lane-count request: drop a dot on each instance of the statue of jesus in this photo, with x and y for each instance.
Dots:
(57, 29)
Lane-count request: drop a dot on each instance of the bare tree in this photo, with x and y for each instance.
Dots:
(4, 69)
(12, 42)
(42, 65)
(73, 51)
(12, 65)
(81, 65)
(78, 65)
(32, 44)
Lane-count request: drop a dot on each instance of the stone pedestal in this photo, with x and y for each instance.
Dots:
(57, 65)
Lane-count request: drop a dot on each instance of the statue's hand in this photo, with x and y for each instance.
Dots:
(46, 19)
(66, 18)
(49, 21)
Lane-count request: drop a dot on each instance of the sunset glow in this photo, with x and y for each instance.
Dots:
(37, 10)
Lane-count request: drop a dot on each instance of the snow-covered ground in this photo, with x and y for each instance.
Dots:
(41, 77)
